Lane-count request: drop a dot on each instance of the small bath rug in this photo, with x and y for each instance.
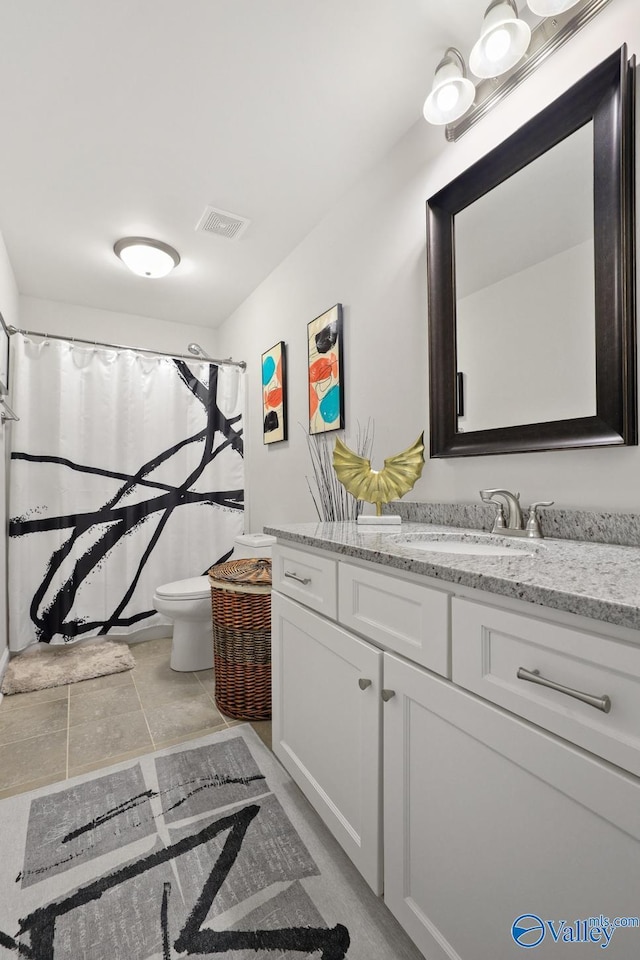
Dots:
(205, 849)
(59, 665)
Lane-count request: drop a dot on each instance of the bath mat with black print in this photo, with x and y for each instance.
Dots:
(207, 849)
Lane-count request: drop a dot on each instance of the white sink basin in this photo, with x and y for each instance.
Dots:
(470, 545)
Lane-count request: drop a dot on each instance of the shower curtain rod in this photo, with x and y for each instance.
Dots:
(118, 346)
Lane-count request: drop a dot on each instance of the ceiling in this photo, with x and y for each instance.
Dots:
(129, 117)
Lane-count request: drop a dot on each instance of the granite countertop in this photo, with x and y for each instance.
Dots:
(596, 580)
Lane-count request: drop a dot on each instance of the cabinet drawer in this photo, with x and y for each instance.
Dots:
(408, 618)
(490, 647)
(307, 578)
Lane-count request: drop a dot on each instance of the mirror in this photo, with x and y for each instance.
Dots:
(531, 282)
(525, 281)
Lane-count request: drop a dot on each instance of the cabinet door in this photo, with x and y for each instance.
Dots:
(326, 728)
(488, 819)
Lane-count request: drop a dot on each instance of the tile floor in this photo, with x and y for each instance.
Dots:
(53, 734)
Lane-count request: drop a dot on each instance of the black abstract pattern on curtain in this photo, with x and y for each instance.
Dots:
(118, 520)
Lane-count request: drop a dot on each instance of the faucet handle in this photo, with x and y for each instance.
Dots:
(499, 523)
(541, 503)
(533, 524)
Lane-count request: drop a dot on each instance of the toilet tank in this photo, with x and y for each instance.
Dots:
(249, 545)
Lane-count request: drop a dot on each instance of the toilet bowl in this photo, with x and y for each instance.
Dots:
(188, 604)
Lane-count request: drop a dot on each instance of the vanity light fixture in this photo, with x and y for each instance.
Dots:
(452, 93)
(146, 257)
(500, 52)
(503, 42)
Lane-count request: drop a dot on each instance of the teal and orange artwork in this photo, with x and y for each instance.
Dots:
(274, 408)
(326, 387)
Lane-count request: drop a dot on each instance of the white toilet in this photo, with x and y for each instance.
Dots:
(188, 604)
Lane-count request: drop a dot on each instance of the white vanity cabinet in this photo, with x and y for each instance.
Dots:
(488, 818)
(472, 815)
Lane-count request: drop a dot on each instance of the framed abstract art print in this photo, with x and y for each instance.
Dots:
(274, 394)
(325, 372)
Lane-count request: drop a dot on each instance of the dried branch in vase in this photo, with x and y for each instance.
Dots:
(331, 500)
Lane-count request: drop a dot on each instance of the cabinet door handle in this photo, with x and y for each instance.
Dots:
(363, 683)
(533, 676)
(387, 694)
(294, 576)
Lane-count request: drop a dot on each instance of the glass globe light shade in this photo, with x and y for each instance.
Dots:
(549, 8)
(504, 40)
(452, 92)
(146, 257)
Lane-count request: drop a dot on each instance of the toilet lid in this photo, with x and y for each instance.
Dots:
(194, 588)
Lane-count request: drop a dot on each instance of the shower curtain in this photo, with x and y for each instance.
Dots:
(126, 472)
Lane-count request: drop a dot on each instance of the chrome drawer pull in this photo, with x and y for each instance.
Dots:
(387, 694)
(600, 703)
(294, 576)
(363, 684)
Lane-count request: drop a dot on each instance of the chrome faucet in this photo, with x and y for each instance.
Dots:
(513, 525)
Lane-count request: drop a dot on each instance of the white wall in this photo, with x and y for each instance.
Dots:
(9, 310)
(74, 320)
(369, 254)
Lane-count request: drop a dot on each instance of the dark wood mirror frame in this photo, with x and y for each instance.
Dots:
(606, 96)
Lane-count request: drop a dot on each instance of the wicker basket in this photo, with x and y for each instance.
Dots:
(241, 615)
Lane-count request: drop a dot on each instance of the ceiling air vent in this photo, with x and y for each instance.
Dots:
(222, 223)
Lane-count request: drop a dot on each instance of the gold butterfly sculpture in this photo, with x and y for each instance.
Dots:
(397, 477)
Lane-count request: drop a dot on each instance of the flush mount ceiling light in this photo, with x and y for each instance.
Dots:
(504, 40)
(549, 8)
(452, 92)
(146, 257)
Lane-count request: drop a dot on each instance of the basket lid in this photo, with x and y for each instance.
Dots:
(254, 572)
